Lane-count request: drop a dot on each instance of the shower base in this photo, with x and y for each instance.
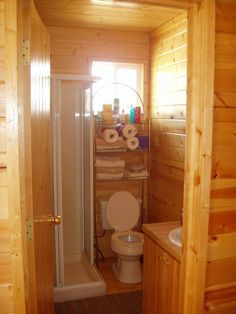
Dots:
(81, 280)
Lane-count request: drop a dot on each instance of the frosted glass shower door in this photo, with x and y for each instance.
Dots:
(72, 176)
(73, 172)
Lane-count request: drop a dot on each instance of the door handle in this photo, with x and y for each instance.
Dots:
(56, 220)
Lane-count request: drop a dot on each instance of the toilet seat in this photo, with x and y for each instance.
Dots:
(122, 211)
(131, 248)
(128, 238)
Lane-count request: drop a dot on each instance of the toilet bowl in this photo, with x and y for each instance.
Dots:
(122, 213)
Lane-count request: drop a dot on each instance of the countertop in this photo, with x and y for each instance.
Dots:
(159, 232)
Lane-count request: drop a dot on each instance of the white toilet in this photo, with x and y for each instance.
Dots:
(122, 213)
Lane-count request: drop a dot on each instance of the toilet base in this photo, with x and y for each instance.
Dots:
(128, 269)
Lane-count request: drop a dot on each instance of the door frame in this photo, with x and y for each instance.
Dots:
(198, 152)
(17, 289)
(201, 36)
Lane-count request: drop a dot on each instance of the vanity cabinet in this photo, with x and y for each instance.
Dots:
(161, 277)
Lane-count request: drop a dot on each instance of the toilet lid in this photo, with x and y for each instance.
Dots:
(122, 211)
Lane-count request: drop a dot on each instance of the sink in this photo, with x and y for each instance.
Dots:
(175, 236)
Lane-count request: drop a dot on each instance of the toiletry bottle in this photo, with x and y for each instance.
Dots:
(116, 106)
(137, 116)
(107, 113)
(132, 114)
(116, 110)
(123, 117)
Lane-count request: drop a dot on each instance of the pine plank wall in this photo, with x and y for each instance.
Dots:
(6, 293)
(221, 266)
(168, 115)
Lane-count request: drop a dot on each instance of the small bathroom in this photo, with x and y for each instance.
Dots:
(123, 125)
(118, 167)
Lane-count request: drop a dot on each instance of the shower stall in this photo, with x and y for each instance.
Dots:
(76, 274)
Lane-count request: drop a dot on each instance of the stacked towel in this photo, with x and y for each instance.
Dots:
(109, 176)
(109, 162)
(137, 172)
(109, 168)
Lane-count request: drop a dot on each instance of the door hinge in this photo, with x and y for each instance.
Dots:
(29, 229)
(26, 51)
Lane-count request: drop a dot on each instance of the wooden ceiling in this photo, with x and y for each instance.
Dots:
(122, 15)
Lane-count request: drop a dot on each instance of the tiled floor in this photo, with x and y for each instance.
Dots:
(113, 285)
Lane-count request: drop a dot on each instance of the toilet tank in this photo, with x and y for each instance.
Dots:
(103, 206)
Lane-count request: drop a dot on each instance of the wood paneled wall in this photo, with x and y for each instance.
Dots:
(221, 266)
(74, 49)
(72, 52)
(168, 115)
(6, 300)
(11, 263)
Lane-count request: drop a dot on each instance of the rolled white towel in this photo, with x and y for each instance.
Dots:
(139, 175)
(109, 162)
(132, 143)
(109, 135)
(127, 131)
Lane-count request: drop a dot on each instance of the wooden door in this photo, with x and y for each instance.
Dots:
(41, 162)
(37, 163)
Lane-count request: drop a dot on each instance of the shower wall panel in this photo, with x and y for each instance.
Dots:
(71, 167)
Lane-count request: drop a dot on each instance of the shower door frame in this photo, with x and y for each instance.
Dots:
(85, 82)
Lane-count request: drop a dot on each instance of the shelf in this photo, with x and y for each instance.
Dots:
(119, 123)
(123, 179)
(125, 150)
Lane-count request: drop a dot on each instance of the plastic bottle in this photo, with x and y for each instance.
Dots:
(132, 114)
(123, 117)
(116, 106)
(137, 117)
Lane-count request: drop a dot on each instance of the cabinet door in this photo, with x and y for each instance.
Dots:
(170, 288)
(160, 280)
(152, 277)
